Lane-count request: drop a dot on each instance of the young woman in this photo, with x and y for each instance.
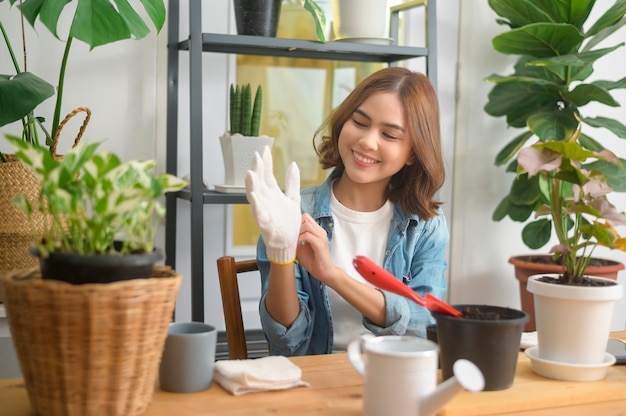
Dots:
(383, 143)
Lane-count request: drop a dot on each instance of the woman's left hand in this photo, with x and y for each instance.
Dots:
(313, 252)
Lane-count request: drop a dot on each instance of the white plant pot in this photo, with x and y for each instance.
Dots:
(238, 151)
(359, 19)
(573, 322)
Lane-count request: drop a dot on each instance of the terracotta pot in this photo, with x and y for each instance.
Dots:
(525, 266)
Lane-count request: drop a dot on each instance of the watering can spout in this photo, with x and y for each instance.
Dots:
(466, 376)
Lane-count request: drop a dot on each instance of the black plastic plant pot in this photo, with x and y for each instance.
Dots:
(257, 17)
(79, 269)
(488, 336)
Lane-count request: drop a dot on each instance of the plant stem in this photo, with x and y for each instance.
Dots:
(57, 107)
(8, 43)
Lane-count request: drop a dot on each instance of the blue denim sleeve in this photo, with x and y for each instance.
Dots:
(427, 268)
(282, 340)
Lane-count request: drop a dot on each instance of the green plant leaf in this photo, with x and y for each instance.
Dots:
(525, 190)
(536, 234)
(553, 125)
(610, 124)
(523, 12)
(96, 22)
(519, 213)
(519, 100)
(609, 19)
(512, 147)
(615, 174)
(32, 91)
(585, 93)
(539, 40)
(318, 17)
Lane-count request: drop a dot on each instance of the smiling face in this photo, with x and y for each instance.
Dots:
(373, 142)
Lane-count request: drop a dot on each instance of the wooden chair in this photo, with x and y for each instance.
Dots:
(227, 271)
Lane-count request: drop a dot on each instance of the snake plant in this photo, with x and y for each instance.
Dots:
(245, 116)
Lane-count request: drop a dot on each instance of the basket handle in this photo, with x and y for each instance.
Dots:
(55, 140)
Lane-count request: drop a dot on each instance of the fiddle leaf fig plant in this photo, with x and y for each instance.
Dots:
(95, 22)
(544, 99)
(90, 200)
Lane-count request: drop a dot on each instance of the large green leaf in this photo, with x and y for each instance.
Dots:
(519, 213)
(575, 12)
(512, 147)
(522, 12)
(536, 234)
(525, 190)
(614, 126)
(554, 125)
(609, 20)
(615, 174)
(518, 100)
(585, 93)
(97, 22)
(539, 40)
(32, 91)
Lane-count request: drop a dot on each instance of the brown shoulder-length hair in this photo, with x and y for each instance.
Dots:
(414, 186)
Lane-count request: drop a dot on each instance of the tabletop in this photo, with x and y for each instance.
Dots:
(336, 389)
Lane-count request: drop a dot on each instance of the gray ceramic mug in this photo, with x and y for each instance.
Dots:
(188, 357)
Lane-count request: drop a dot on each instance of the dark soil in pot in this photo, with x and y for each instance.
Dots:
(488, 336)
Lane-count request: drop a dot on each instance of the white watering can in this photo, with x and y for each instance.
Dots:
(401, 375)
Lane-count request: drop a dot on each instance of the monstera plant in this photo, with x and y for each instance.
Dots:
(95, 22)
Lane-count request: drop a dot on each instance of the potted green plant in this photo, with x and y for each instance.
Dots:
(96, 23)
(97, 206)
(103, 214)
(564, 176)
(242, 140)
(544, 98)
(260, 17)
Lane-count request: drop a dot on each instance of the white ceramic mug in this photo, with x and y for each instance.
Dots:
(398, 371)
(188, 357)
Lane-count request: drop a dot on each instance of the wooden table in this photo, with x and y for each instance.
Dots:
(336, 389)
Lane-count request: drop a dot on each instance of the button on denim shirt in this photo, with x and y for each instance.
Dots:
(415, 252)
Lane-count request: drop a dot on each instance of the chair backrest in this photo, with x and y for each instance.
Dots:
(227, 271)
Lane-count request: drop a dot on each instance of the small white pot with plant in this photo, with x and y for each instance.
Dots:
(242, 140)
(573, 311)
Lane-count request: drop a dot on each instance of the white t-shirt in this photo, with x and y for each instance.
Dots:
(354, 233)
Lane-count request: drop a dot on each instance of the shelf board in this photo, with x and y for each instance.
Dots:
(296, 48)
(213, 197)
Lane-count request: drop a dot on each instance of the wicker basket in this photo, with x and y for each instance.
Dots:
(16, 233)
(90, 349)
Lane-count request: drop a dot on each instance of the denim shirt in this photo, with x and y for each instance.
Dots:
(415, 252)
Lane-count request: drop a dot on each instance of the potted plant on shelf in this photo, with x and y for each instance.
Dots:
(69, 337)
(260, 17)
(21, 93)
(545, 96)
(242, 140)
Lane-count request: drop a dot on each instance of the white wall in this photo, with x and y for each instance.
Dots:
(124, 85)
(481, 247)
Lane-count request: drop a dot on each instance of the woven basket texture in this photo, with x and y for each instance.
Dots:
(16, 235)
(90, 349)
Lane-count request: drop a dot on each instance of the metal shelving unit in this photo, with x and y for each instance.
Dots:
(249, 45)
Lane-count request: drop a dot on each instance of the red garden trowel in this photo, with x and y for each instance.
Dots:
(381, 278)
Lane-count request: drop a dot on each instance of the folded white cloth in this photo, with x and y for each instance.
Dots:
(259, 374)
(529, 339)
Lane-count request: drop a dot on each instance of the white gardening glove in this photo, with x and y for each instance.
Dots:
(277, 214)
